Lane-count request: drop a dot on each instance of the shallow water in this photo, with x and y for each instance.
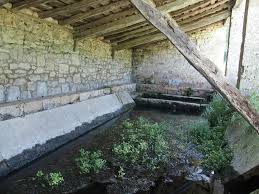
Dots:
(135, 181)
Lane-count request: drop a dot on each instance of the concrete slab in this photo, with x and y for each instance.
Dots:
(20, 135)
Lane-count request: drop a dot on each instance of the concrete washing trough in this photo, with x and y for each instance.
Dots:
(24, 139)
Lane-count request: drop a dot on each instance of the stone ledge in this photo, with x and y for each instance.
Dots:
(25, 139)
(22, 108)
(198, 92)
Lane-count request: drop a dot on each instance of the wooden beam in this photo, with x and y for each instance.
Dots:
(27, 3)
(68, 8)
(187, 28)
(131, 20)
(94, 12)
(202, 64)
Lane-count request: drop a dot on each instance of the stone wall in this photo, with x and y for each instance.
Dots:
(243, 65)
(250, 75)
(40, 58)
(162, 64)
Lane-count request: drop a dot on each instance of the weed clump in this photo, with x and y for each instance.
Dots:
(53, 179)
(143, 143)
(90, 161)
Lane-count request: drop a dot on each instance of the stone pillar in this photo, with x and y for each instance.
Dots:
(235, 41)
(249, 82)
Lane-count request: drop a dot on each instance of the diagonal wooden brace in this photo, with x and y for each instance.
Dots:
(202, 64)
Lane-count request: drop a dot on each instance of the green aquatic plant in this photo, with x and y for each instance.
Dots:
(143, 142)
(218, 112)
(90, 161)
(52, 179)
(209, 136)
(121, 173)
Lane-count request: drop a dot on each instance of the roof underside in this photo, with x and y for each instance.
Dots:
(119, 23)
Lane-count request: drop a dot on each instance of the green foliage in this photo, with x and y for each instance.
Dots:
(121, 173)
(209, 135)
(90, 161)
(218, 112)
(210, 141)
(143, 143)
(188, 92)
(53, 179)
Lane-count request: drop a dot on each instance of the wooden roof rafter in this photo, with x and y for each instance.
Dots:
(117, 21)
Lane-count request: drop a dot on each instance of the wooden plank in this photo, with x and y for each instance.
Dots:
(202, 64)
(95, 12)
(217, 5)
(131, 20)
(129, 33)
(204, 14)
(68, 8)
(187, 28)
(27, 3)
(135, 35)
(109, 18)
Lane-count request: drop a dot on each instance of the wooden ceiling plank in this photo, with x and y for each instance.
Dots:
(106, 19)
(68, 8)
(136, 35)
(204, 14)
(128, 33)
(193, 13)
(131, 20)
(94, 12)
(158, 36)
(27, 3)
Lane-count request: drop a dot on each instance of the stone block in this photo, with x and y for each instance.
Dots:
(42, 89)
(13, 93)
(51, 103)
(2, 94)
(14, 110)
(34, 106)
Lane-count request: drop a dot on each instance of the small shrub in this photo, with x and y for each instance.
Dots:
(209, 135)
(90, 161)
(218, 112)
(143, 143)
(121, 173)
(211, 142)
(53, 179)
(188, 92)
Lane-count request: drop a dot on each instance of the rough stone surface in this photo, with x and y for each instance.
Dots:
(38, 128)
(21, 108)
(250, 77)
(39, 58)
(235, 41)
(162, 64)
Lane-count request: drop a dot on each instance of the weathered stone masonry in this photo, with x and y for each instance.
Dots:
(162, 64)
(40, 58)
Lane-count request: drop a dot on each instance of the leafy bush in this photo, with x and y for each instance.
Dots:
(218, 112)
(53, 179)
(210, 141)
(90, 161)
(143, 142)
(209, 135)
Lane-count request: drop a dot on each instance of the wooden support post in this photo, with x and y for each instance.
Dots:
(202, 64)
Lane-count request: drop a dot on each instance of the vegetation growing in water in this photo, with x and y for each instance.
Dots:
(53, 179)
(209, 135)
(143, 143)
(90, 161)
